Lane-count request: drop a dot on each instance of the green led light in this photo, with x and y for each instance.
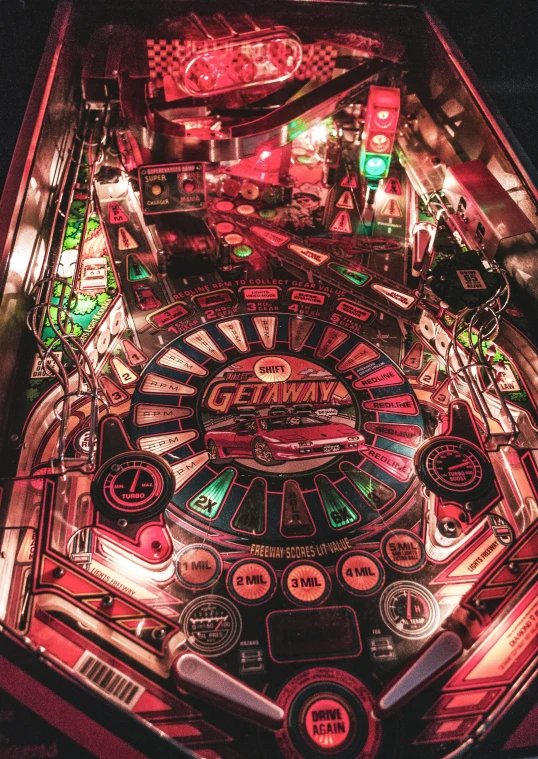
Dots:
(242, 251)
(356, 277)
(209, 501)
(373, 166)
(340, 513)
(376, 493)
(268, 213)
(136, 269)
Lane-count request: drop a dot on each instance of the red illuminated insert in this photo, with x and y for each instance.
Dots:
(381, 120)
(247, 60)
(327, 723)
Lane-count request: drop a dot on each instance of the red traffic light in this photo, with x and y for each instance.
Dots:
(381, 122)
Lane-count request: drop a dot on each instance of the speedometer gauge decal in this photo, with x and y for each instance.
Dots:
(453, 468)
(409, 610)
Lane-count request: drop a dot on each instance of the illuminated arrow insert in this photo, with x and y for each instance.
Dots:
(383, 376)
(234, 332)
(203, 342)
(345, 200)
(428, 376)
(135, 356)
(116, 214)
(166, 442)
(341, 223)
(413, 358)
(152, 413)
(158, 385)
(251, 513)
(340, 512)
(375, 492)
(398, 466)
(125, 240)
(277, 239)
(357, 278)
(403, 300)
(186, 469)
(210, 499)
(361, 354)
(331, 339)
(125, 375)
(300, 329)
(174, 359)
(349, 181)
(204, 679)
(313, 257)
(266, 329)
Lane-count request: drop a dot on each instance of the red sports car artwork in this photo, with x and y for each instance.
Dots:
(272, 440)
(145, 297)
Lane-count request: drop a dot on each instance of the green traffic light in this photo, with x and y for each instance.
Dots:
(374, 166)
(242, 251)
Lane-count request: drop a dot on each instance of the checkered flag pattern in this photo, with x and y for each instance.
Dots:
(318, 62)
(169, 56)
(166, 56)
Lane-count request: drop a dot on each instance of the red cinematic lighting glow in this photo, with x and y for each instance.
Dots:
(247, 60)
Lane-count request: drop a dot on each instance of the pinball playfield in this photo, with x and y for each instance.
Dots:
(270, 397)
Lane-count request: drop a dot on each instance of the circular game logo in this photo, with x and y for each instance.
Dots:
(279, 427)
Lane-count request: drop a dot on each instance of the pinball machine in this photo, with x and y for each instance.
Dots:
(269, 419)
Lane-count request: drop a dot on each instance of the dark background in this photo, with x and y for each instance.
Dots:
(497, 37)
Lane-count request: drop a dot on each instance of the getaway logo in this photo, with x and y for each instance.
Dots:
(222, 396)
